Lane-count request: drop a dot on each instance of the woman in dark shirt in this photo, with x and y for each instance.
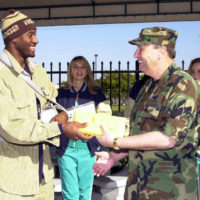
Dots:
(76, 158)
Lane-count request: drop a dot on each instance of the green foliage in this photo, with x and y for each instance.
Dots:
(63, 83)
(116, 112)
(116, 83)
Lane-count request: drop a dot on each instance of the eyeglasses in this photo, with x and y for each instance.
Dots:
(79, 68)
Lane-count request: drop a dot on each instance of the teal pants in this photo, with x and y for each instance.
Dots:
(76, 171)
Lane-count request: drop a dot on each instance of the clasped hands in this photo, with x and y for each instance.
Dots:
(70, 129)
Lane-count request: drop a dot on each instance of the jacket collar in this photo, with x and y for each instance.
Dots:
(83, 89)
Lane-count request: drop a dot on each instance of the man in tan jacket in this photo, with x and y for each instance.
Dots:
(25, 165)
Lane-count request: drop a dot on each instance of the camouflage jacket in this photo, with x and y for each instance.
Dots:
(168, 105)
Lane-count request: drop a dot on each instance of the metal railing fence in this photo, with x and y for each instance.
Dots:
(102, 73)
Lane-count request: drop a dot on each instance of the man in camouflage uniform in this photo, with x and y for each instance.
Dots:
(162, 141)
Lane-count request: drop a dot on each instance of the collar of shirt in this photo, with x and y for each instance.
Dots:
(83, 88)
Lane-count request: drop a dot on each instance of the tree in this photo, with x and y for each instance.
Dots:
(119, 86)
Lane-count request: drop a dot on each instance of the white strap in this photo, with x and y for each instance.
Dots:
(2, 139)
(5, 59)
(31, 83)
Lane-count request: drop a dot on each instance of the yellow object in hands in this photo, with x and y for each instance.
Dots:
(115, 125)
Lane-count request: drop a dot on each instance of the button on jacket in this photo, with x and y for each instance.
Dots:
(22, 131)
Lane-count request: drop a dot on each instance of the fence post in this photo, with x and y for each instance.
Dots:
(128, 63)
(93, 68)
(67, 67)
(59, 69)
(137, 71)
(111, 84)
(183, 63)
(102, 75)
(51, 71)
(119, 81)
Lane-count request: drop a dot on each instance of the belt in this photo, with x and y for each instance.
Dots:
(82, 144)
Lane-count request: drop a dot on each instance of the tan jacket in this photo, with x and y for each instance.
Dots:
(21, 129)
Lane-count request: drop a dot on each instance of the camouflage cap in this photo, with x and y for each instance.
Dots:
(156, 35)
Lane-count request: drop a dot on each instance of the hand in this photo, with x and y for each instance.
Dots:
(107, 139)
(61, 118)
(71, 130)
(103, 164)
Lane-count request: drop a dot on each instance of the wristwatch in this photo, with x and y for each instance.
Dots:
(115, 146)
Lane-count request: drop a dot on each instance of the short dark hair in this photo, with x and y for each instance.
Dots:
(171, 52)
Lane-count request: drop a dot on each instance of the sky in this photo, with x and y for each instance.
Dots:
(109, 42)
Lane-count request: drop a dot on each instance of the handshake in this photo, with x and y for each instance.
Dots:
(70, 129)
